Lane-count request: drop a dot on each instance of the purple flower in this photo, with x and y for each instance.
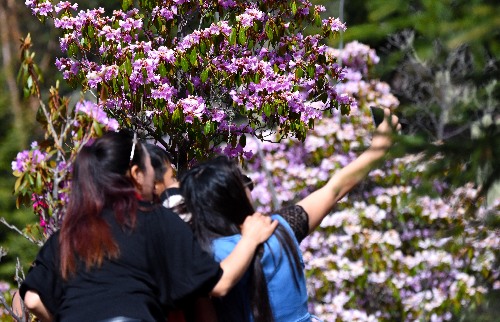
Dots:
(164, 91)
(193, 107)
(227, 3)
(65, 5)
(28, 159)
(334, 24)
(94, 111)
(246, 19)
(42, 9)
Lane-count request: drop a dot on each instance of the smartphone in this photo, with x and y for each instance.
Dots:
(377, 115)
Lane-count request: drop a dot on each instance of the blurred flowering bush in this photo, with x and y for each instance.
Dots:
(386, 253)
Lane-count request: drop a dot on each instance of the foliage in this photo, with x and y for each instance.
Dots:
(202, 74)
(387, 253)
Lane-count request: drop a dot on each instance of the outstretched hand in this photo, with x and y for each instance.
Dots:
(258, 227)
(382, 138)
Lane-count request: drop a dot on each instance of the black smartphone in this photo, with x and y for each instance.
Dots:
(377, 115)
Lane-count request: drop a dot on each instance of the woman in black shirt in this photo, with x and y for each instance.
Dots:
(118, 257)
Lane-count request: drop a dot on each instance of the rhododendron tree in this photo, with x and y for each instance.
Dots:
(199, 76)
(386, 252)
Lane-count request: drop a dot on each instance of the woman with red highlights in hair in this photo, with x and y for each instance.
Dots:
(118, 257)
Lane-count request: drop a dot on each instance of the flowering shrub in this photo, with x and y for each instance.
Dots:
(204, 74)
(386, 253)
(43, 171)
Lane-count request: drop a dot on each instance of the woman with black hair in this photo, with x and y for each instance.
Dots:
(274, 288)
(119, 257)
(166, 184)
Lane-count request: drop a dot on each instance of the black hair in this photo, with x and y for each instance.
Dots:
(99, 180)
(215, 195)
(159, 160)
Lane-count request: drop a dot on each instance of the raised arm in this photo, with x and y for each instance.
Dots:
(319, 203)
(255, 230)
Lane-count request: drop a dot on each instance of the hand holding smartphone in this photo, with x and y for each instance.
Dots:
(377, 115)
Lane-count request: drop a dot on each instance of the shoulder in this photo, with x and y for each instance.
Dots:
(223, 246)
(297, 219)
(161, 223)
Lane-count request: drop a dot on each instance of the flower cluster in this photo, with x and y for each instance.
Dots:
(254, 65)
(386, 253)
(42, 174)
(29, 160)
(93, 111)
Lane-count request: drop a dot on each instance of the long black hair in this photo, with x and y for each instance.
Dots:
(215, 195)
(99, 180)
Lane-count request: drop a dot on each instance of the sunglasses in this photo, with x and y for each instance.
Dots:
(247, 182)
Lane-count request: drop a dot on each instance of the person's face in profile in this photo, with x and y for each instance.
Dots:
(169, 177)
(145, 178)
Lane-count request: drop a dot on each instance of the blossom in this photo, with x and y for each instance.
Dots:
(247, 18)
(192, 107)
(94, 111)
(28, 160)
(334, 24)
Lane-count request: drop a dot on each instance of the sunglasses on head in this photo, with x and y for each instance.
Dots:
(247, 182)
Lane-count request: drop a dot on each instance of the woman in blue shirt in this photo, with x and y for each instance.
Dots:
(274, 287)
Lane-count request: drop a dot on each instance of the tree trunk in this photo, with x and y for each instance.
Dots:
(9, 41)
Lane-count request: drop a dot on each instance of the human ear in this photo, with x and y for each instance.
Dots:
(137, 176)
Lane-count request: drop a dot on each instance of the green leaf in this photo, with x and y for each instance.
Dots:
(294, 8)
(162, 69)
(29, 82)
(310, 71)
(190, 87)
(98, 128)
(126, 4)
(299, 72)
(193, 57)
(208, 127)
(238, 79)
(267, 110)
(242, 36)
(128, 66)
(317, 20)
(204, 75)
(269, 32)
(18, 184)
(184, 64)
(72, 50)
(257, 78)
(126, 86)
(232, 37)
(38, 186)
(203, 47)
(176, 116)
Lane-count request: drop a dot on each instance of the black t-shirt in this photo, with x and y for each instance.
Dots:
(160, 266)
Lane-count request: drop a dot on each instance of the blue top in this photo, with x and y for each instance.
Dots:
(288, 299)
